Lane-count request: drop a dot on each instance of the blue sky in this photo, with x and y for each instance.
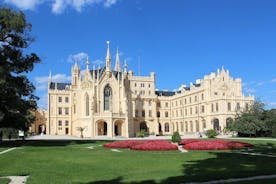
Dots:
(180, 40)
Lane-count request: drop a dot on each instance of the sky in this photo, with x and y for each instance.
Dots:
(179, 40)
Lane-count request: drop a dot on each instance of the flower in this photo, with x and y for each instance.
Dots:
(215, 144)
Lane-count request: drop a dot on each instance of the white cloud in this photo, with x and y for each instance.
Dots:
(43, 101)
(42, 82)
(25, 4)
(249, 90)
(109, 3)
(58, 6)
(273, 80)
(79, 57)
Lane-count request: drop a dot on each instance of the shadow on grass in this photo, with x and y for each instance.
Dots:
(221, 165)
(41, 143)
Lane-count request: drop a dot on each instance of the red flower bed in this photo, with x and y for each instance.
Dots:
(155, 145)
(123, 144)
(187, 141)
(215, 145)
(149, 145)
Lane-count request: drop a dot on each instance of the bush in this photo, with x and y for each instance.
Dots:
(211, 133)
(273, 133)
(216, 144)
(176, 137)
(141, 133)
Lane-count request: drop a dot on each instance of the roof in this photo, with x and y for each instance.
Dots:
(164, 93)
(60, 85)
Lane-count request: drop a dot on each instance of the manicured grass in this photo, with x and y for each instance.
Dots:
(72, 162)
(4, 180)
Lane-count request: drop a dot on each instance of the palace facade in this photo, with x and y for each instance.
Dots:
(106, 102)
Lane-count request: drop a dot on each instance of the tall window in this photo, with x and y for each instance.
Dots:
(59, 99)
(59, 110)
(202, 109)
(158, 114)
(238, 106)
(66, 110)
(167, 127)
(166, 114)
(229, 106)
(107, 97)
(217, 107)
(66, 99)
(86, 104)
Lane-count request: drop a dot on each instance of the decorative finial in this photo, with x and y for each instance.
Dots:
(125, 66)
(108, 57)
(87, 63)
(117, 64)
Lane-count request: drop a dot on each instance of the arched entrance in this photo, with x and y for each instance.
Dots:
(118, 128)
(160, 129)
(102, 128)
(143, 126)
(42, 129)
(216, 125)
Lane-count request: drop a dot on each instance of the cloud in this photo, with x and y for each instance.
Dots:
(109, 3)
(273, 80)
(250, 90)
(79, 57)
(41, 83)
(43, 101)
(58, 6)
(25, 4)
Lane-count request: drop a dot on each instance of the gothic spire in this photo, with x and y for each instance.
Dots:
(125, 66)
(117, 64)
(87, 63)
(108, 57)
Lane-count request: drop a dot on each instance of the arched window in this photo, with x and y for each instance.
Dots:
(107, 97)
(86, 104)
(167, 127)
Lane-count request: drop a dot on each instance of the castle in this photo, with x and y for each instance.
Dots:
(106, 102)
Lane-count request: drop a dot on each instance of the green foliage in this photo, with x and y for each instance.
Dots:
(17, 92)
(273, 133)
(9, 131)
(255, 122)
(141, 133)
(176, 137)
(211, 133)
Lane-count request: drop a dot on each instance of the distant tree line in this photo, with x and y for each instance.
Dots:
(255, 122)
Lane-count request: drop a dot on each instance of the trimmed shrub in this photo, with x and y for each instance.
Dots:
(123, 144)
(216, 144)
(211, 133)
(176, 137)
(155, 145)
(187, 141)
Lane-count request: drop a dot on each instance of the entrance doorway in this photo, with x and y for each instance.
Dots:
(216, 124)
(102, 128)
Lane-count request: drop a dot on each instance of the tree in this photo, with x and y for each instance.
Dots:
(81, 129)
(256, 121)
(17, 97)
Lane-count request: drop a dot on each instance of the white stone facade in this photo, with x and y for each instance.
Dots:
(106, 102)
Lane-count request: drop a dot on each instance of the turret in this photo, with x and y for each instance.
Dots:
(75, 73)
(108, 58)
(117, 64)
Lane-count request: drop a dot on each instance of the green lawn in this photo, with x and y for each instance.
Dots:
(4, 180)
(72, 162)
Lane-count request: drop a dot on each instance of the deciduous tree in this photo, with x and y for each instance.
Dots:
(17, 97)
